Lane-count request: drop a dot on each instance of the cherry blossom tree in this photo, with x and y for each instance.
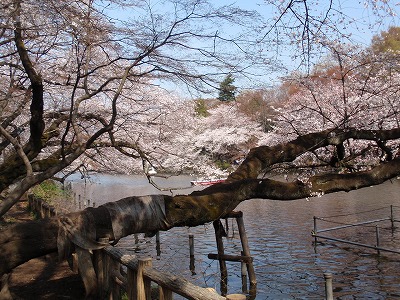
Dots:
(75, 81)
(354, 93)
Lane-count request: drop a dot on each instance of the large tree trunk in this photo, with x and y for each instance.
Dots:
(148, 214)
(20, 243)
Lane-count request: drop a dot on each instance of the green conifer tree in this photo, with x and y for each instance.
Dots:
(226, 89)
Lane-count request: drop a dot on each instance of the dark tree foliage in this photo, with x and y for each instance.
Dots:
(226, 89)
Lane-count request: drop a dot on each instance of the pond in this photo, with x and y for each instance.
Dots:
(287, 263)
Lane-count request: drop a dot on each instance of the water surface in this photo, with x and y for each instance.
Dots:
(288, 265)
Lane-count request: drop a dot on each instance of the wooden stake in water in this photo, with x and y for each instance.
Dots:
(244, 275)
(191, 250)
(391, 216)
(246, 250)
(158, 245)
(218, 227)
(315, 230)
(377, 239)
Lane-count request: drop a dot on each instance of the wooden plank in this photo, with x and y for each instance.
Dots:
(227, 257)
(233, 214)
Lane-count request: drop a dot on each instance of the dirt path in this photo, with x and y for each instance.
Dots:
(41, 278)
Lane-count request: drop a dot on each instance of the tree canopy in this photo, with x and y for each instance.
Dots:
(387, 41)
(81, 87)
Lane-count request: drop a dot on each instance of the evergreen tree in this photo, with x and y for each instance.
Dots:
(226, 89)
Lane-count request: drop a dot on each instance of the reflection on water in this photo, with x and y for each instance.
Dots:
(287, 264)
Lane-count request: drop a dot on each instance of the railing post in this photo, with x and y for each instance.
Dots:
(41, 210)
(328, 286)
(86, 269)
(139, 288)
(99, 258)
(114, 269)
(165, 294)
(107, 277)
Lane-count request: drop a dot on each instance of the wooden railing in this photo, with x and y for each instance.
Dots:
(137, 282)
(138, 275)
(41, 207)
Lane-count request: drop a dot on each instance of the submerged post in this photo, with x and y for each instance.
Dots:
(158, 245)
(391, 216)
(315, 230)
(191, 251)
(377, 239)
(328, 286)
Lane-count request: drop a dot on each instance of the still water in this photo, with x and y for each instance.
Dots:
(287, 263)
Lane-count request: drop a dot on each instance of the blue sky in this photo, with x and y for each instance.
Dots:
(363, 25)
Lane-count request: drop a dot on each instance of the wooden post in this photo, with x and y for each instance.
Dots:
(328, 286)
(139, 288)
(191, 251)
(244, 275)
(41, 210)
(246, 250)
(392, 216)
(377, 239)
(99, 263)
(107, 280)
(315, 231)
(87, 272)
(114, 267)
(165, 294)
(136, 237)
(158, 245)
(218, 227)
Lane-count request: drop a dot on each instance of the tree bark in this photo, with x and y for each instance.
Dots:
(114, 220)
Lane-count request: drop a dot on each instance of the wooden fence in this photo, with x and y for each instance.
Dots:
(117, 272)
(316, 232)
(40, 207)
(138, 278)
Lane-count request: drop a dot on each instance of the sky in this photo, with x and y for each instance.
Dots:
(363, 25)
